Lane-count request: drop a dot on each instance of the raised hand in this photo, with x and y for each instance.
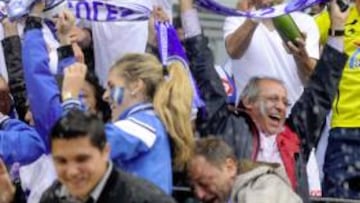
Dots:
(74, 79)
(65, 23)
(337, 17)
(10, 28)
(158, 14)
(7, 189)
(38, 8)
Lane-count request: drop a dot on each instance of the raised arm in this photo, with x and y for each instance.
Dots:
(237, 41)
(43, 90)
(202, 67)
(12, 54)
(19, 142)
(309, 113)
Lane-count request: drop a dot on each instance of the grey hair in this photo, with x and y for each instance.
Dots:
(252, 88)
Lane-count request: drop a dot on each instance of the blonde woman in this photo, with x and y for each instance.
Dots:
(151, 109)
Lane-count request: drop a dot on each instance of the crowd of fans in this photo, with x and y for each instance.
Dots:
(89, 111)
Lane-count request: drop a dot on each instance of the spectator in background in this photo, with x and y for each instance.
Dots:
(341, 169)
(111, 40)
(256, 49)
(216, 176)
(43, 90)
(19, 143)
(11, 45)
(81, 157)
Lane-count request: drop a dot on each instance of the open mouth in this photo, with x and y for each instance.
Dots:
(275, 118)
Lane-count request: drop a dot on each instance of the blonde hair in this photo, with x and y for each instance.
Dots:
(171, 97)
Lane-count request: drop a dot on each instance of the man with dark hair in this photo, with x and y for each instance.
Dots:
(216, 176)
(80, 153)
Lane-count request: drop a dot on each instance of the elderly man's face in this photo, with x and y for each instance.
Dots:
(211, 184)
(269, 109)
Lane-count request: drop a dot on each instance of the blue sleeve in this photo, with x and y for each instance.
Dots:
(20, 143)
(43, 91)
(128, 140)
(65, 62)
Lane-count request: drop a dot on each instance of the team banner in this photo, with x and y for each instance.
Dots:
(269, 12)
(170, 49)
(92, 10)
(97, 10)
(100, 10)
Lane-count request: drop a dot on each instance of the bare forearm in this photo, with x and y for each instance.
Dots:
(189, 19)
(238, 42)
(185, 5)
(306, 67)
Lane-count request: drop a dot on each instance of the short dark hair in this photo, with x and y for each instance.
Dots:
(214, 150)
(76, 123)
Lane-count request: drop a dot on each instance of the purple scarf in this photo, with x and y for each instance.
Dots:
(170, 49)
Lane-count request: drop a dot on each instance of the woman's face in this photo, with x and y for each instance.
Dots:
(117, 94)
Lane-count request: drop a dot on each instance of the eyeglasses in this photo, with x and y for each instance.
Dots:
(276, 99)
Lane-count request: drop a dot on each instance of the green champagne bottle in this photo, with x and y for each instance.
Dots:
(287, 28)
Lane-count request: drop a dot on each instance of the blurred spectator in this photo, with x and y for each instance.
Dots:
(217, 176)
(11, 45)
(341, 170)
(258, 128)
(43, 92)
(112, 40)
(256, 49)
(80, 153)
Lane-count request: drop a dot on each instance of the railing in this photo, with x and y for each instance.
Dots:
(332, 200)
(184, 195)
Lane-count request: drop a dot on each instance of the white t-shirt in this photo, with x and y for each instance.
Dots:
(112, 40)
(51, 42)
(266, 55)
(268, 151)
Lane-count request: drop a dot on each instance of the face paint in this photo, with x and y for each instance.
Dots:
(117, 95)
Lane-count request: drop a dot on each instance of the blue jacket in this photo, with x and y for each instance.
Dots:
(144, 150)
(140, 145)
(19, 143)
(42, 88)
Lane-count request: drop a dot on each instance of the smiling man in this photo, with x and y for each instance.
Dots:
(258, 128)
(85, 174)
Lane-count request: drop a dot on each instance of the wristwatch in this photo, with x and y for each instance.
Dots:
(336, 33)
(66, 95)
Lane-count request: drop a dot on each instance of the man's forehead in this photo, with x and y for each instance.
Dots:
(271, 85)
(79, 144)
(200, 166)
